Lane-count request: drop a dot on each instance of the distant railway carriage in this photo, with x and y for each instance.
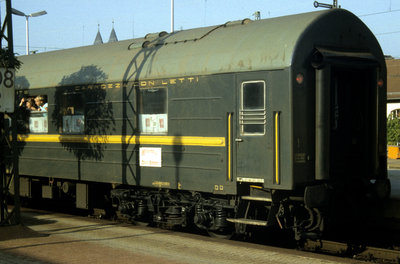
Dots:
(250, 123)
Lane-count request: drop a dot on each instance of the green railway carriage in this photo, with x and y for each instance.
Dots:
(215, 125)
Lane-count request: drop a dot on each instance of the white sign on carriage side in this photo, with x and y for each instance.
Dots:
(7, 91)
(150, 157)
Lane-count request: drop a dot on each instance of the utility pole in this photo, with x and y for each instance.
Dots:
(9, 176)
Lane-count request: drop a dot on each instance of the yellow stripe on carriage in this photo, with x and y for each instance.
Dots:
(229, 147)
(277, 154)
(119, 139)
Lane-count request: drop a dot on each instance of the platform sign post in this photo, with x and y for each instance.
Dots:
(7, 91)
(9, 175)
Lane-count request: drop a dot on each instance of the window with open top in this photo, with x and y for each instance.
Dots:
(35, 107)
(153, 112)
(72, 108)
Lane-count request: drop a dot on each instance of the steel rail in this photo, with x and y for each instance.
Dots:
(378, 255)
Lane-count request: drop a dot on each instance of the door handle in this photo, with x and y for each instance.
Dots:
(238, 139)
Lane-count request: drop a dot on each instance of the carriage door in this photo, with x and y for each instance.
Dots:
(251, 140)
(346, 121)
(353, 134)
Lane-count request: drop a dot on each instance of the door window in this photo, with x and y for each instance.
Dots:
(252, 118)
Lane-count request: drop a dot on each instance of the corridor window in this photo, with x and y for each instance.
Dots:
(73, 113)
(153, 117)
(252, 118)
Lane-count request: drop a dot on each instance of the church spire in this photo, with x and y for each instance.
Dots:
(113, 35)
(99, 39)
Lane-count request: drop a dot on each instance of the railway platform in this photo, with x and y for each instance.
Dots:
(56, 238)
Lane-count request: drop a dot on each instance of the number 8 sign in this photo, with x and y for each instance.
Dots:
(7, 91)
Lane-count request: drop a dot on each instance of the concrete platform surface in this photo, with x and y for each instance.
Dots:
(56, 238)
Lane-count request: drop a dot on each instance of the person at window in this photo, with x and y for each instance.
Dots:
(29, 104)
(22, 102)
(40, 102)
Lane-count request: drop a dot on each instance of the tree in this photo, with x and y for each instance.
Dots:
(393, 131)
(8, 60)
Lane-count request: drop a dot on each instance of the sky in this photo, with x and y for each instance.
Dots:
(74, 23)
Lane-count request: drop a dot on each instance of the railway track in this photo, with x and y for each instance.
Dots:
(371, 254)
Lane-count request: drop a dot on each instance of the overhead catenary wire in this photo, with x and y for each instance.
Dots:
(379, 13)
(387, 33)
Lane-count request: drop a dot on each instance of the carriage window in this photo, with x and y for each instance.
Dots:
(38, 122)
(73, 113)
(252, 116)
(37, 108)
(153, 117)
